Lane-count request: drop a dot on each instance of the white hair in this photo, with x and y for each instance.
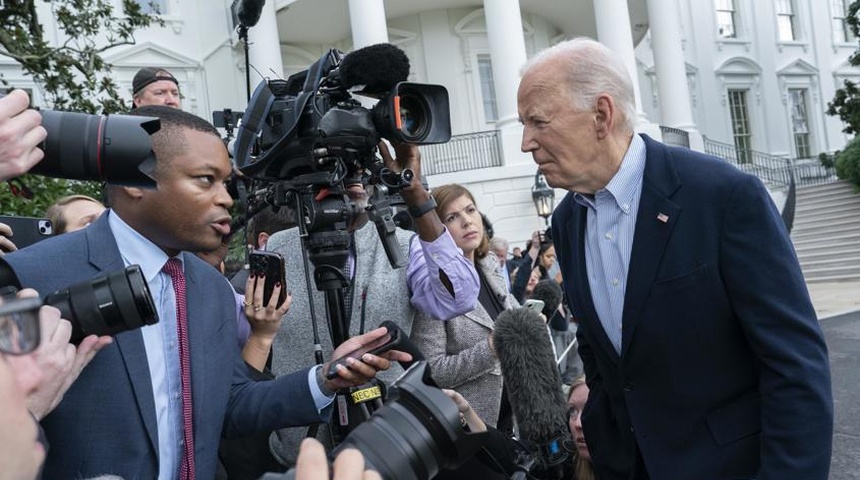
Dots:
(592, 70)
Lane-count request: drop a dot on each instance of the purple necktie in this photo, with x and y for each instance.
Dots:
(173, 267)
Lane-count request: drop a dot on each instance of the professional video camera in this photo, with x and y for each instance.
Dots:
(106, 305)
(312, 136)
(414, 435)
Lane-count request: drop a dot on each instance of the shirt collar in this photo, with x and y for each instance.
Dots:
(136, 249)
(622, 187)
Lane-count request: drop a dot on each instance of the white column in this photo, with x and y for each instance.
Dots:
(508, 54)
(368, 23)
(675, 107)
(264, 49)
(612, 18)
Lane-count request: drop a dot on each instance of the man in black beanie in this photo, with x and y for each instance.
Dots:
(155, 86)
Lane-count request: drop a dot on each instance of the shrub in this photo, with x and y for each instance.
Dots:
(848, 163)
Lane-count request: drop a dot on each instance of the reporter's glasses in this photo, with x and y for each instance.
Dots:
(19, 325)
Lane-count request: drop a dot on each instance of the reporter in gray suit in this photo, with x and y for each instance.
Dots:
(125, 413)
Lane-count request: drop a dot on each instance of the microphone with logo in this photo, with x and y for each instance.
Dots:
(534, 391)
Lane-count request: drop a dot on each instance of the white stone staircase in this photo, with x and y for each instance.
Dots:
(826, 232)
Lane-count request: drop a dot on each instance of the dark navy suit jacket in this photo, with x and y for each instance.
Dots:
(106, 423)
(723, 372)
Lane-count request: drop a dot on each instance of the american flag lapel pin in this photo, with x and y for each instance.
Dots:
(663, 217)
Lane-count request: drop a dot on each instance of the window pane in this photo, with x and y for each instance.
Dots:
(783, 7)
(740, 125)
(785, 25)
(726, 18)
(488, 89)
(799, 122)
(152, 6)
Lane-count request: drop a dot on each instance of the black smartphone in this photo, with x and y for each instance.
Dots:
(27, 230)
(271, 265)
(381, 345)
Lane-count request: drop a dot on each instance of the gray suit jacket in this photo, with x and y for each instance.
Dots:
(379, 293)
(458, 352)
(106, 422)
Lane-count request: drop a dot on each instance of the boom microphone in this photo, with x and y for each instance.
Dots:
(550, 292)
(534, 390)
(378, 68)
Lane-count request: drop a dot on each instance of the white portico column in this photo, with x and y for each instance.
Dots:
(675, 107)
(612, 18)
(507, 54)
(264, 49)
(368, 23)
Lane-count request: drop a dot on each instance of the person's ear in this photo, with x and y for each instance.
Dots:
(262, 238)
(133, 192)
(604, 115)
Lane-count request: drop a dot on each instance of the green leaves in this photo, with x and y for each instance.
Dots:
(72, 73)
(846, 102)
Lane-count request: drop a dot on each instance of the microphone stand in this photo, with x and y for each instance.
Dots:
(243, 37)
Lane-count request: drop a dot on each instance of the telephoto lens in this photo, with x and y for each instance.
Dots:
(106, 305)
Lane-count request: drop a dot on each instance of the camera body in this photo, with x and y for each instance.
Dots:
(305, 139)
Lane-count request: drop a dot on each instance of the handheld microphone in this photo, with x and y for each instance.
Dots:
(534, 390)
(550, 292)
(378, 68)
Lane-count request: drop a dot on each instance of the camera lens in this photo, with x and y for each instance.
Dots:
(107, 305)
(416, 433)
(414, 114)
(114, 148)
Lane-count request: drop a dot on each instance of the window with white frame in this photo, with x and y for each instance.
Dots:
(841, 31)
(152, 6)
(799, 122)
(726, 18)
(488, 89)
(741, 131)
(785, 20)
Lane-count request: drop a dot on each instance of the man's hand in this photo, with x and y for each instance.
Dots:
(21, 132)
(312, 464)
(358, 372)
(6, 245)
(61, 363)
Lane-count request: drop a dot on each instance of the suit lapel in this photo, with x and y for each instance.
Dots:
(201, 326)
(105, 256)
(656, 219)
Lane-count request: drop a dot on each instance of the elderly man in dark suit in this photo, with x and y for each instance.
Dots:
(155, 403)
(700, 345)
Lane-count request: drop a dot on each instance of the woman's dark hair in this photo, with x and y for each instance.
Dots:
(446, 194)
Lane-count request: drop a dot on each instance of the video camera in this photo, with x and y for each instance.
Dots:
(307, 137)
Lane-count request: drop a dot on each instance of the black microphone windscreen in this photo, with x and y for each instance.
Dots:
(531, 377)
(550, 292)
(249, 12)
(378, 67)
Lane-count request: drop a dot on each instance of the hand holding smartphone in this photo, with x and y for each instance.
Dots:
(381, 345)
(269, 265)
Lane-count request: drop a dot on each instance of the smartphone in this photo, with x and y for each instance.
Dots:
(27, 230)
(534, 305)
(271, 265)
(380, 345)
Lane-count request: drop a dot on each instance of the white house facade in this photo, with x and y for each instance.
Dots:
(755, 75)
